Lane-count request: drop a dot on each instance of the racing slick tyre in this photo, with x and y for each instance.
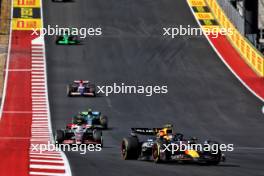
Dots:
(97, 136)
(159, 156)
(130, 148)
(104, 121)
(92, 89)
(156, 152)
(59, 37)
(216, 157)
(59, 136)
(69, 90)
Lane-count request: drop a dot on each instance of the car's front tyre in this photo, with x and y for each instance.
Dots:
(59, 136)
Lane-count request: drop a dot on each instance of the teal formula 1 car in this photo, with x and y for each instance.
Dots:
(67, 39)
(91, 118)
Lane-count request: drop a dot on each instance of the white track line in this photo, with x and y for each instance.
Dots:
(45, 161)
(46, 157)
(40, 166)
(7, 63)
(41, 127)
(46, 173)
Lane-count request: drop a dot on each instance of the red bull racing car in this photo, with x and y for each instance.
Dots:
(160, 147)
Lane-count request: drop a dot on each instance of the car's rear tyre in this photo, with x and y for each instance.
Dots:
(97, 135)
(59, 38)
(59, 136)
(104, 121)
(130, 148)
(92, 89)
(69, 90)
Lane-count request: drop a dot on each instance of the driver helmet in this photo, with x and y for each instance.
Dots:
(162, 133)
(90, 112)
(79, 119)
(81, 83)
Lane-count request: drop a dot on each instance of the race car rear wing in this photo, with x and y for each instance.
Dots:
(145, 131)
(78, 81)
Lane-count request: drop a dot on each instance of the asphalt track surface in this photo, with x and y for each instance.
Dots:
(204, 99)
